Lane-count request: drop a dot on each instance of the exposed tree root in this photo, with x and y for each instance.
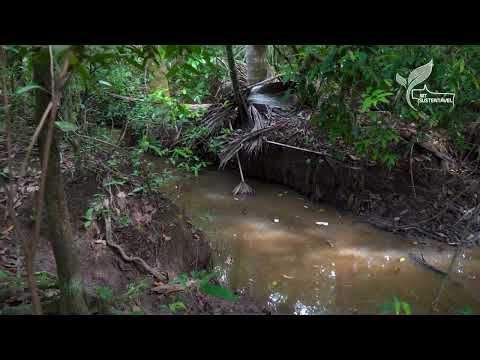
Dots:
(125, 257)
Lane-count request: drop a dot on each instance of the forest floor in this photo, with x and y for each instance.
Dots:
(143, 226)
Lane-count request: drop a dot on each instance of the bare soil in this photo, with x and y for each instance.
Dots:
(159, 233)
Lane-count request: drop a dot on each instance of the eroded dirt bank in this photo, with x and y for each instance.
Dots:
(384, 198)
(158, 232)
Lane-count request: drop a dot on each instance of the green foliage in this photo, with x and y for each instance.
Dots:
(27, 88)
(467, 310)
(219, 292)
(124, 221)
(95, 209)
(372, 98)
(377, 142)
(105, 294)
(202, 279)
(136, 289)
(344, 81)
(395, 307)
(66, 126)
(178, 305)
(46, 280)
(184, 159)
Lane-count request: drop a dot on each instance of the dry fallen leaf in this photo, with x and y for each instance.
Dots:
(136, 308)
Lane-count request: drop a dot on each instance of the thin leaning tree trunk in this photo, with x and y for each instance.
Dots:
(72, 297)
(242, 106)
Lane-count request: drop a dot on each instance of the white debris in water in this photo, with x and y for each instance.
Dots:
(305, 206)
(324, 223)
(234, 235)
(276, 220)
(236, 198)
(387, 257)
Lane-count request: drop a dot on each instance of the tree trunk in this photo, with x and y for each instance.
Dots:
(257, 65)
(242, 106)
(73, 300)
(160, 80)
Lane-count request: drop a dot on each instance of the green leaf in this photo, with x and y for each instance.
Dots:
(103, 82)
(117, 312)
(396, 305)
(3, 274)
(66, 126)
(204, 281)
(218, 291)
(467, 310)
(177, 306)
(104, 293)
(89, 214)
(114, 182)
(27, 88)
(406, 308)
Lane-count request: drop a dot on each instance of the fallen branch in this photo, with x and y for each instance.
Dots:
(294, 147)
(93, 138)
(264, 81)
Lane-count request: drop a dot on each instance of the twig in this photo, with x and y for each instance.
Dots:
(32, 284)
(127, 98)
(35, 138)
(264, 81)
(145, 79)
(411, 171)
(94, 138)
(294, 147)
(435, 216)
(436, 302)
(120, 139)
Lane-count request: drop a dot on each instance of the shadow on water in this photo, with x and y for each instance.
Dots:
(299, 257)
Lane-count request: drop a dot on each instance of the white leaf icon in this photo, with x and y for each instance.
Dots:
(401, 80)
(418, 76)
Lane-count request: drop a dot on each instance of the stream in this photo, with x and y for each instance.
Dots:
(293, 256)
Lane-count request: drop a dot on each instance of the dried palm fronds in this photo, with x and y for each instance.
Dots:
(255, 146)
(243, 189)
(217, 117)
(242, 138)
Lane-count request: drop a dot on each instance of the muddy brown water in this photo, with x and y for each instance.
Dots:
(297, 257)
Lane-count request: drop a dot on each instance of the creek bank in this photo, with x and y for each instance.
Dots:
(157, 231)
(431, 192)
(381, 197)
